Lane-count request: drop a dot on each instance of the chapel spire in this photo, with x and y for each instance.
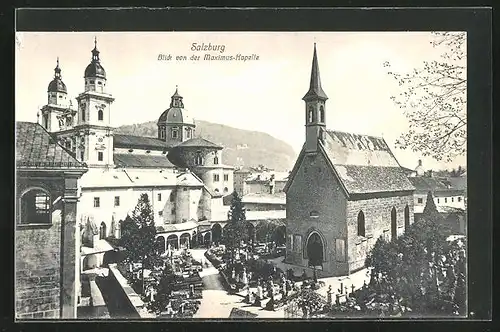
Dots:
(315, 89)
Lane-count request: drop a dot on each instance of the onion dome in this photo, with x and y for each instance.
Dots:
(95, 69)
(57, 85)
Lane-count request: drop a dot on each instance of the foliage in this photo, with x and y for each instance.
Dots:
(420, 269)
(164, 290)
(434, 101)
(270, 230)
(310, 301)
(139, 236)
(236, 230)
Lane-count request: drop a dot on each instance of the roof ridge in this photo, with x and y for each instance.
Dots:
(353, 133)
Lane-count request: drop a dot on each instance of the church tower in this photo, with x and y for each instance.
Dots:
(315, 100)
(57, 115)
(94, 131)
(175, 124)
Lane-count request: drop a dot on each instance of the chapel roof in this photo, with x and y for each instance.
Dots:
(126, 160)
(199, 142)
(140, 142)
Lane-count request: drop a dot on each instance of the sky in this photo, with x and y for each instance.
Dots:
(263, 95)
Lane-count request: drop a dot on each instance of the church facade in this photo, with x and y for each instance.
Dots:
(345, 191)
(183, 174)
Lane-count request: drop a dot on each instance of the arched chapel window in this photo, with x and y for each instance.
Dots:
(310, 115)
(100, 115)
(361, 224)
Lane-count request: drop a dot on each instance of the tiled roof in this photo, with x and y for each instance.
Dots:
(372, 179)
(140, 142)
(141, 161)
(364, 164)
(188, 179)
(199, 142)
(35, 147)
(424, 184)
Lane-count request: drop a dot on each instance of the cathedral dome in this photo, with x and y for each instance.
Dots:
(94, 69)
(57, 85)
(176, 114)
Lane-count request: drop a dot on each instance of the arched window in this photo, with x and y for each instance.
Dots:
(46, 121)
(394, 224)
(310, 115)
(407, 217)
(175, 133)
(216, 160)
(188, 133)
(35, 207)
(322, 114)
(361, 224)
(198, 159)
(100, 115)
(162, 133)
(226, 190)
(102, 231)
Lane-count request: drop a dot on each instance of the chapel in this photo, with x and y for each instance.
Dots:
(345, 191)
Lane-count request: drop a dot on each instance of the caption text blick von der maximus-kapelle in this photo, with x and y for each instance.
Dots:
(208, 55)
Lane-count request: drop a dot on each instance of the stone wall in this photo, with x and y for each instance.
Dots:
(377, 214)
(316, 202)
(38, 257)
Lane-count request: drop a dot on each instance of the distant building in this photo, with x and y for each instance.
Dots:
(444, 196)
(46, 264)
(419, 170)
(345, 191)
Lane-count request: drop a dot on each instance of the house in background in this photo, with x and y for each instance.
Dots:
(46, 241)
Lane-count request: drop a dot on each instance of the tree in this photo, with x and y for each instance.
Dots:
(236, 230)
(139, 237)
(164, 290)
(434, 101)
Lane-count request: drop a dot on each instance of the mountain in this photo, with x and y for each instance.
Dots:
(241, 147)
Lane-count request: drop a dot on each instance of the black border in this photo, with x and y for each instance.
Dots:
(476, 21)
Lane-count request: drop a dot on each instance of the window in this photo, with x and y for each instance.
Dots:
(198, 160)
(160, 213)
(97, 202)
(46, 121)
(100, 115)
(172, 211)
(184, 189)
(226, 177)
(452, 199)
(171, 197)
(361, 223)
(459, 198)
(446, 199)
(216, 177)
(159, 197)
(83, 113)
(314, 214)
(188, 133)
(175, 133)
(99, 156)
(35, 207)
(82, 155)
(322, 114)
(420, 200)
(226, 190)
(117, 200)
(216, 190)
(92, 81)
(438, 200)
(340, 250)
(310, 115)
(162, 133)
(216, 160)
